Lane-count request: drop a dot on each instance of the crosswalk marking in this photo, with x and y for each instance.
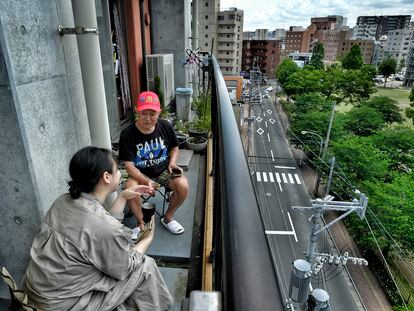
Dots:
(277, 177)
(280, 178)
(271, 177)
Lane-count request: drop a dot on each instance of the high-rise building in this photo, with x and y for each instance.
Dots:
(409, 72)
(229, 41)
(385, 23)
(265, 52)
(364, 31)
(208, 11)
(379, 51)
(261, 34)
(298, 39)
(221, 33)
(366, 46)
(398, 43)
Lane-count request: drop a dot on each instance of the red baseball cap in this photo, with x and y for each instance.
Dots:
(148, 100)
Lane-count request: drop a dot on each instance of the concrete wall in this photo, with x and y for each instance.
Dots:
(43, 119)
(171, 29)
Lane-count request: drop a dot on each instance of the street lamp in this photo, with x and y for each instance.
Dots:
(318, 176)
(320, 140)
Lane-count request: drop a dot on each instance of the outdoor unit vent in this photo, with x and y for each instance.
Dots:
(161, 65)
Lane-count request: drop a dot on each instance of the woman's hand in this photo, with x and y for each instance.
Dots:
(135, 191)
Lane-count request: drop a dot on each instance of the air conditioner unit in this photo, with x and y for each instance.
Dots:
(161, 65)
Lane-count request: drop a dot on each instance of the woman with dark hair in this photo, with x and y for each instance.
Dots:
(83, 257)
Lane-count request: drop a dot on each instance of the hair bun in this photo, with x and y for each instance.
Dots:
(74, 190)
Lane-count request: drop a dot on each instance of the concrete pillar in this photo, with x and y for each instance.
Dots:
(42, 120)
(171, 31)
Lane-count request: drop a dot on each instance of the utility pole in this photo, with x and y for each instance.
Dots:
(326, 204)
(328, 186)
(303, 270)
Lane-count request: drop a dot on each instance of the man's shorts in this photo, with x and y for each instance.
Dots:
(165, 178)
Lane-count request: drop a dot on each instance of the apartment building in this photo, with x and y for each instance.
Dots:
(379, 51)
(399, 43)
(367, 48)
(266, 52)
(385, 23)
(229, 41)
(364, 31)
(409, 73)
(208, 11)
(298, 39)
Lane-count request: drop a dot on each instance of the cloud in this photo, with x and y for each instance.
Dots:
(277, 14)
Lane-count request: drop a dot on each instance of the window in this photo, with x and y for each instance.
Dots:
(206, 17)
(227, 52)
(206, 4)
(206, 27)
(231, 17)
(221, 18)
(228, 36)
(206, 36)
(206, 44)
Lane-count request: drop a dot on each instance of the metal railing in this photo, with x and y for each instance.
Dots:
(243, 269)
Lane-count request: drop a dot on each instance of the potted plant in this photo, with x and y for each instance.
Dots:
(198, 143)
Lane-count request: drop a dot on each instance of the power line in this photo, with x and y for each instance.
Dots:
(386, 264)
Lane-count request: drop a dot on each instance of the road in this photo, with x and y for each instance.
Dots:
(279, 186)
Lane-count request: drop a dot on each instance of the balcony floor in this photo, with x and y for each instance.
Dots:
(178, 256)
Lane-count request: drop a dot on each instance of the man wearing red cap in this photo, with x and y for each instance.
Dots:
(149, 149)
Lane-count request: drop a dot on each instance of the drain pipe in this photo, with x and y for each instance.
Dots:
(84, 15)
(195, 25)
(144, 44)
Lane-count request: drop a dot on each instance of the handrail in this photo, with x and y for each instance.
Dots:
(243, 267)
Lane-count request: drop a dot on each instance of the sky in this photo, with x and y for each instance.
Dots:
(272, 14)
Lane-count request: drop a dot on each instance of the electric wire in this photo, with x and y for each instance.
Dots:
(386, 265)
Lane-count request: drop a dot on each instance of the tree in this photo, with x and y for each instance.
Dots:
(310, 102)
(387, 67)
(397, 142)
(387, 107)
(304, 81)
(409, 112)
(360, 160)
(318, 54)
(356, 85)
(285, 69)
(364, 121)
(401, 65)
(353, 59)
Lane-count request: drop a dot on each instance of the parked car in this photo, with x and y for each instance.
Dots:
(379, 80)
(399, 78)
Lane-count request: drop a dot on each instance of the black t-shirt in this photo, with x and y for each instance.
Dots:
(149, 152)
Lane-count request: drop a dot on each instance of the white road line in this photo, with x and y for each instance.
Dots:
(284, 178)
(291, 178)
(280, 187)
(273, 157)
(293, 228)
(264, 177)
(297, 179)
(258, 176)
(277, 177)
(266, 123)
(271, 177)
(286, 167)
(279, 232)
(268, 137)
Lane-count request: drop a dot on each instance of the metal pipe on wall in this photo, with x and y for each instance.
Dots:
(84, 14)
(144, 44)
